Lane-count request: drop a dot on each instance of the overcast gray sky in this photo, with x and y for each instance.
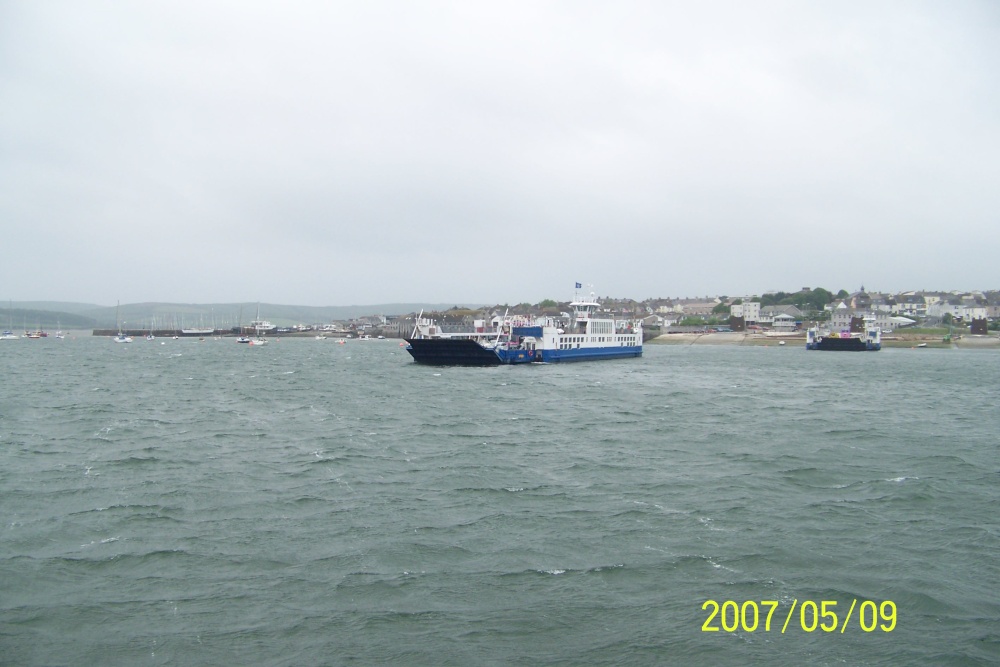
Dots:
(335, 153)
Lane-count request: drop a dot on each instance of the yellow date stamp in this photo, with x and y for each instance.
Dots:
(754, 616)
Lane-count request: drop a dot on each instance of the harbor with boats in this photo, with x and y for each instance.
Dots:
(706, 321)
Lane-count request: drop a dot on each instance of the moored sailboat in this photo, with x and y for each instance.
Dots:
(260, 326)
(243, 338)
(9, 334)
(121, 337)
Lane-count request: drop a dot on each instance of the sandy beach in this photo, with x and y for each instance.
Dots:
(727, 338)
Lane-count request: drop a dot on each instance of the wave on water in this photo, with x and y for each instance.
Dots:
(306, 506)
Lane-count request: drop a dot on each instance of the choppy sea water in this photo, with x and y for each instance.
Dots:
(205, 503)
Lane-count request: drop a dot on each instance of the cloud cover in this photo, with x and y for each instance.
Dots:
(338, 153)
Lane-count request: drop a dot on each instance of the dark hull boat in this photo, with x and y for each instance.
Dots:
(870, 340)
(452, 352)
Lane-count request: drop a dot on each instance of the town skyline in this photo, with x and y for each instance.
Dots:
(83, 315)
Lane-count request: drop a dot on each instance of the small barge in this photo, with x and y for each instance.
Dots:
(867, 340)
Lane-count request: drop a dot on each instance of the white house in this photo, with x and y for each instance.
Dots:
(840, 318)
(749, 311)
(964, 312)
(783, 322)
(768, 314)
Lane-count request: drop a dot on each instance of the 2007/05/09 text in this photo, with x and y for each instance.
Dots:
(751, 616)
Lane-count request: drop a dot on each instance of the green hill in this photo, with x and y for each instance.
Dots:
(29, 319)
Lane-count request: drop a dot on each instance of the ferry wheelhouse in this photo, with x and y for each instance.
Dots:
(587, 335)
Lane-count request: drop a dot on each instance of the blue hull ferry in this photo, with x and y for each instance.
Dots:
(585, 336)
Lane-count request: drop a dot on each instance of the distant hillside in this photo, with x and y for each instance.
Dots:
(54, 306)
(29, 319)
(185, 315)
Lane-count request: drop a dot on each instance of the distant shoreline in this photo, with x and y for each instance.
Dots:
(901, 340)
(228, 333)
